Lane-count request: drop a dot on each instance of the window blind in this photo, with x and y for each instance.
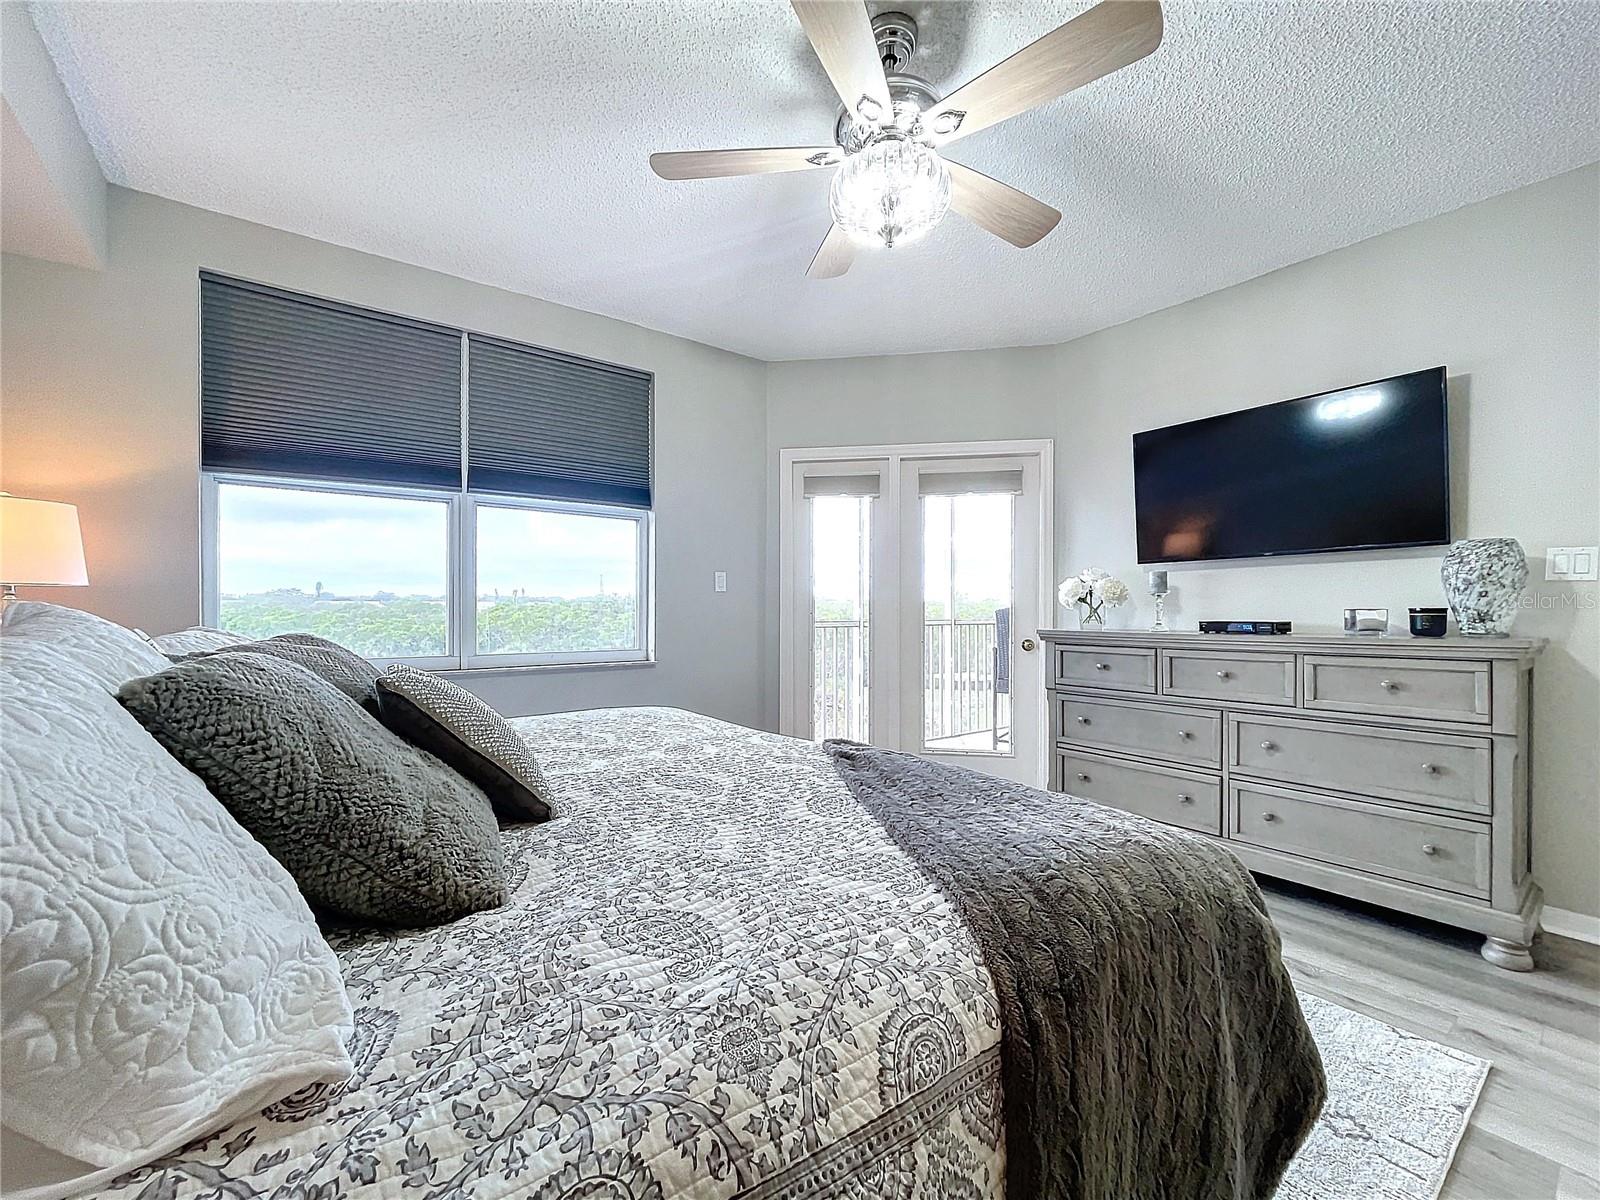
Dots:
(294, 385)
(556, 426)
(840, 485)
(969, 483)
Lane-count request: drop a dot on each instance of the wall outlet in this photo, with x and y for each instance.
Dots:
(720, 581)
(1571, 562)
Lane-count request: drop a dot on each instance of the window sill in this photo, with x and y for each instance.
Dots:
(547, 668)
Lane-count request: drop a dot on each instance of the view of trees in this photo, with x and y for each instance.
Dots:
(384, 625)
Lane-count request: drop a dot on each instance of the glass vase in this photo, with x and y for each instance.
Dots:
(1091, 615)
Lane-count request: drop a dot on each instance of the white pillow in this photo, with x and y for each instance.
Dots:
(162, 974)
(195, 639)
(110, 654)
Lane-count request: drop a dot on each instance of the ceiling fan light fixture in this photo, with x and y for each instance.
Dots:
(890, 192)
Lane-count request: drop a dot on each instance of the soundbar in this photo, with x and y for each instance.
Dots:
(1246, 626)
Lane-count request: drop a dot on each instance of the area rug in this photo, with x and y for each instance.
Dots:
(1397, 1107)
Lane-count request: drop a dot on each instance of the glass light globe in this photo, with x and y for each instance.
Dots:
(892, 191)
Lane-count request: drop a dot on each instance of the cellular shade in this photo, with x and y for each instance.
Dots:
(556, 426)
(841, 485)
(297, 386)
(970, 483)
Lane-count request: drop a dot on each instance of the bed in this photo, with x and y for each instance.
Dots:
(718, 975)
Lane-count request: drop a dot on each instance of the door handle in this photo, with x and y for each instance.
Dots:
(1028, 643)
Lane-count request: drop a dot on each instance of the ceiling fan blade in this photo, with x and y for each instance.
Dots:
(1107, 38)
(999, 207)
(841, 34)
(833, 257)
(715, 164)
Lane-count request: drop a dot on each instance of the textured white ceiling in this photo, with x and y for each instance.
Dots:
(508, 144)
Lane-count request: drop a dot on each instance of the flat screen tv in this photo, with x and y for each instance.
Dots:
(1362, 468)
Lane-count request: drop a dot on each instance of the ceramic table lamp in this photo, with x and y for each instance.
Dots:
(40, 545)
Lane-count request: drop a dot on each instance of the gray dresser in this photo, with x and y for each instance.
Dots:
(1392, 770)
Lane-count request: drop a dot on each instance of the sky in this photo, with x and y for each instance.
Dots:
(356, 545)
(966, 547)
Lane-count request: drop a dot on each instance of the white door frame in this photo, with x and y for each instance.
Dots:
(794, 706)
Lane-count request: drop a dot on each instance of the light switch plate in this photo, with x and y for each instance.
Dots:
(720, 581)
(1571, 562)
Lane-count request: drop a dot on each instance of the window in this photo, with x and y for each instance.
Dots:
(354, 488)
(371, 572)
(554, 581)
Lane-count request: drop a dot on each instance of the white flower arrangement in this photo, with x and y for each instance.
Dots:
(1094, 590)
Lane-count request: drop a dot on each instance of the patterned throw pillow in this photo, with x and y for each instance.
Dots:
(452, 723)
(371, 828)
(345, 669)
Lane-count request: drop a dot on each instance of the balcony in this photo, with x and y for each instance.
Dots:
(965, 707)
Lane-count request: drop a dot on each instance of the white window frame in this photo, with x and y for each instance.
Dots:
(467, 615)
(461, 605)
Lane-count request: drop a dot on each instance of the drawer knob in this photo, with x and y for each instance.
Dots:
(1185, 798)
(1429, 769)
(1388, 685)
(1269, 816)
(1083, 720)
(1082, 777)
(1269, 745)
(1224, 674)
(1102, 666)
(1184, 734)
(1429, 849)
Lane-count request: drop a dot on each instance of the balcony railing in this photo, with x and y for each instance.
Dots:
(839, 680)
(961, 708)
(958, 680)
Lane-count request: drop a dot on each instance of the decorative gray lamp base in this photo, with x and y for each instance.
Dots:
(1161, 614)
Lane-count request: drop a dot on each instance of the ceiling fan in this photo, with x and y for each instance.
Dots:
(893, 183)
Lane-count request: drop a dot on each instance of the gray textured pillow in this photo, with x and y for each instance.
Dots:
(370, 827)
(345, 669)
(452, 723)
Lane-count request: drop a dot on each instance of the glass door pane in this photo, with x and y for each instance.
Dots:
(967, 601)
(841, 542)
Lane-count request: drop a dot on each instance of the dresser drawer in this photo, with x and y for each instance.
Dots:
(1441, 770)
(1120, 670)
(1439, 852)
(1220, 675)
(1403, 687)
(1184, 798)
(1186, 734)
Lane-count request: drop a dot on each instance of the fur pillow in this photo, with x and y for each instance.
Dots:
(345, 669)
(371, 828)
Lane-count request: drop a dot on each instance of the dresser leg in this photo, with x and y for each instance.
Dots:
(1513, 956)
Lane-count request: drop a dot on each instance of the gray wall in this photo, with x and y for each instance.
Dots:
(1504, 293)
(99, 406)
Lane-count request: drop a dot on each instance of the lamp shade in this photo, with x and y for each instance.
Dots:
(40, 544)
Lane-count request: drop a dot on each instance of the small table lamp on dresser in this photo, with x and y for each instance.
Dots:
(40, 546)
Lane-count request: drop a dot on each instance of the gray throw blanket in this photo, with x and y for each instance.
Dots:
(1152, 1045)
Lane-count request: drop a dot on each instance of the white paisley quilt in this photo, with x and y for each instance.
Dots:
(716, 977)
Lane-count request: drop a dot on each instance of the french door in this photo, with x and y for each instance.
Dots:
(913, 580)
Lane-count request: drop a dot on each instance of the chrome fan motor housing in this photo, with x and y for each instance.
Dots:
(911, 96)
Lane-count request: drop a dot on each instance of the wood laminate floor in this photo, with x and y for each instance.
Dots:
(1535, 1134)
